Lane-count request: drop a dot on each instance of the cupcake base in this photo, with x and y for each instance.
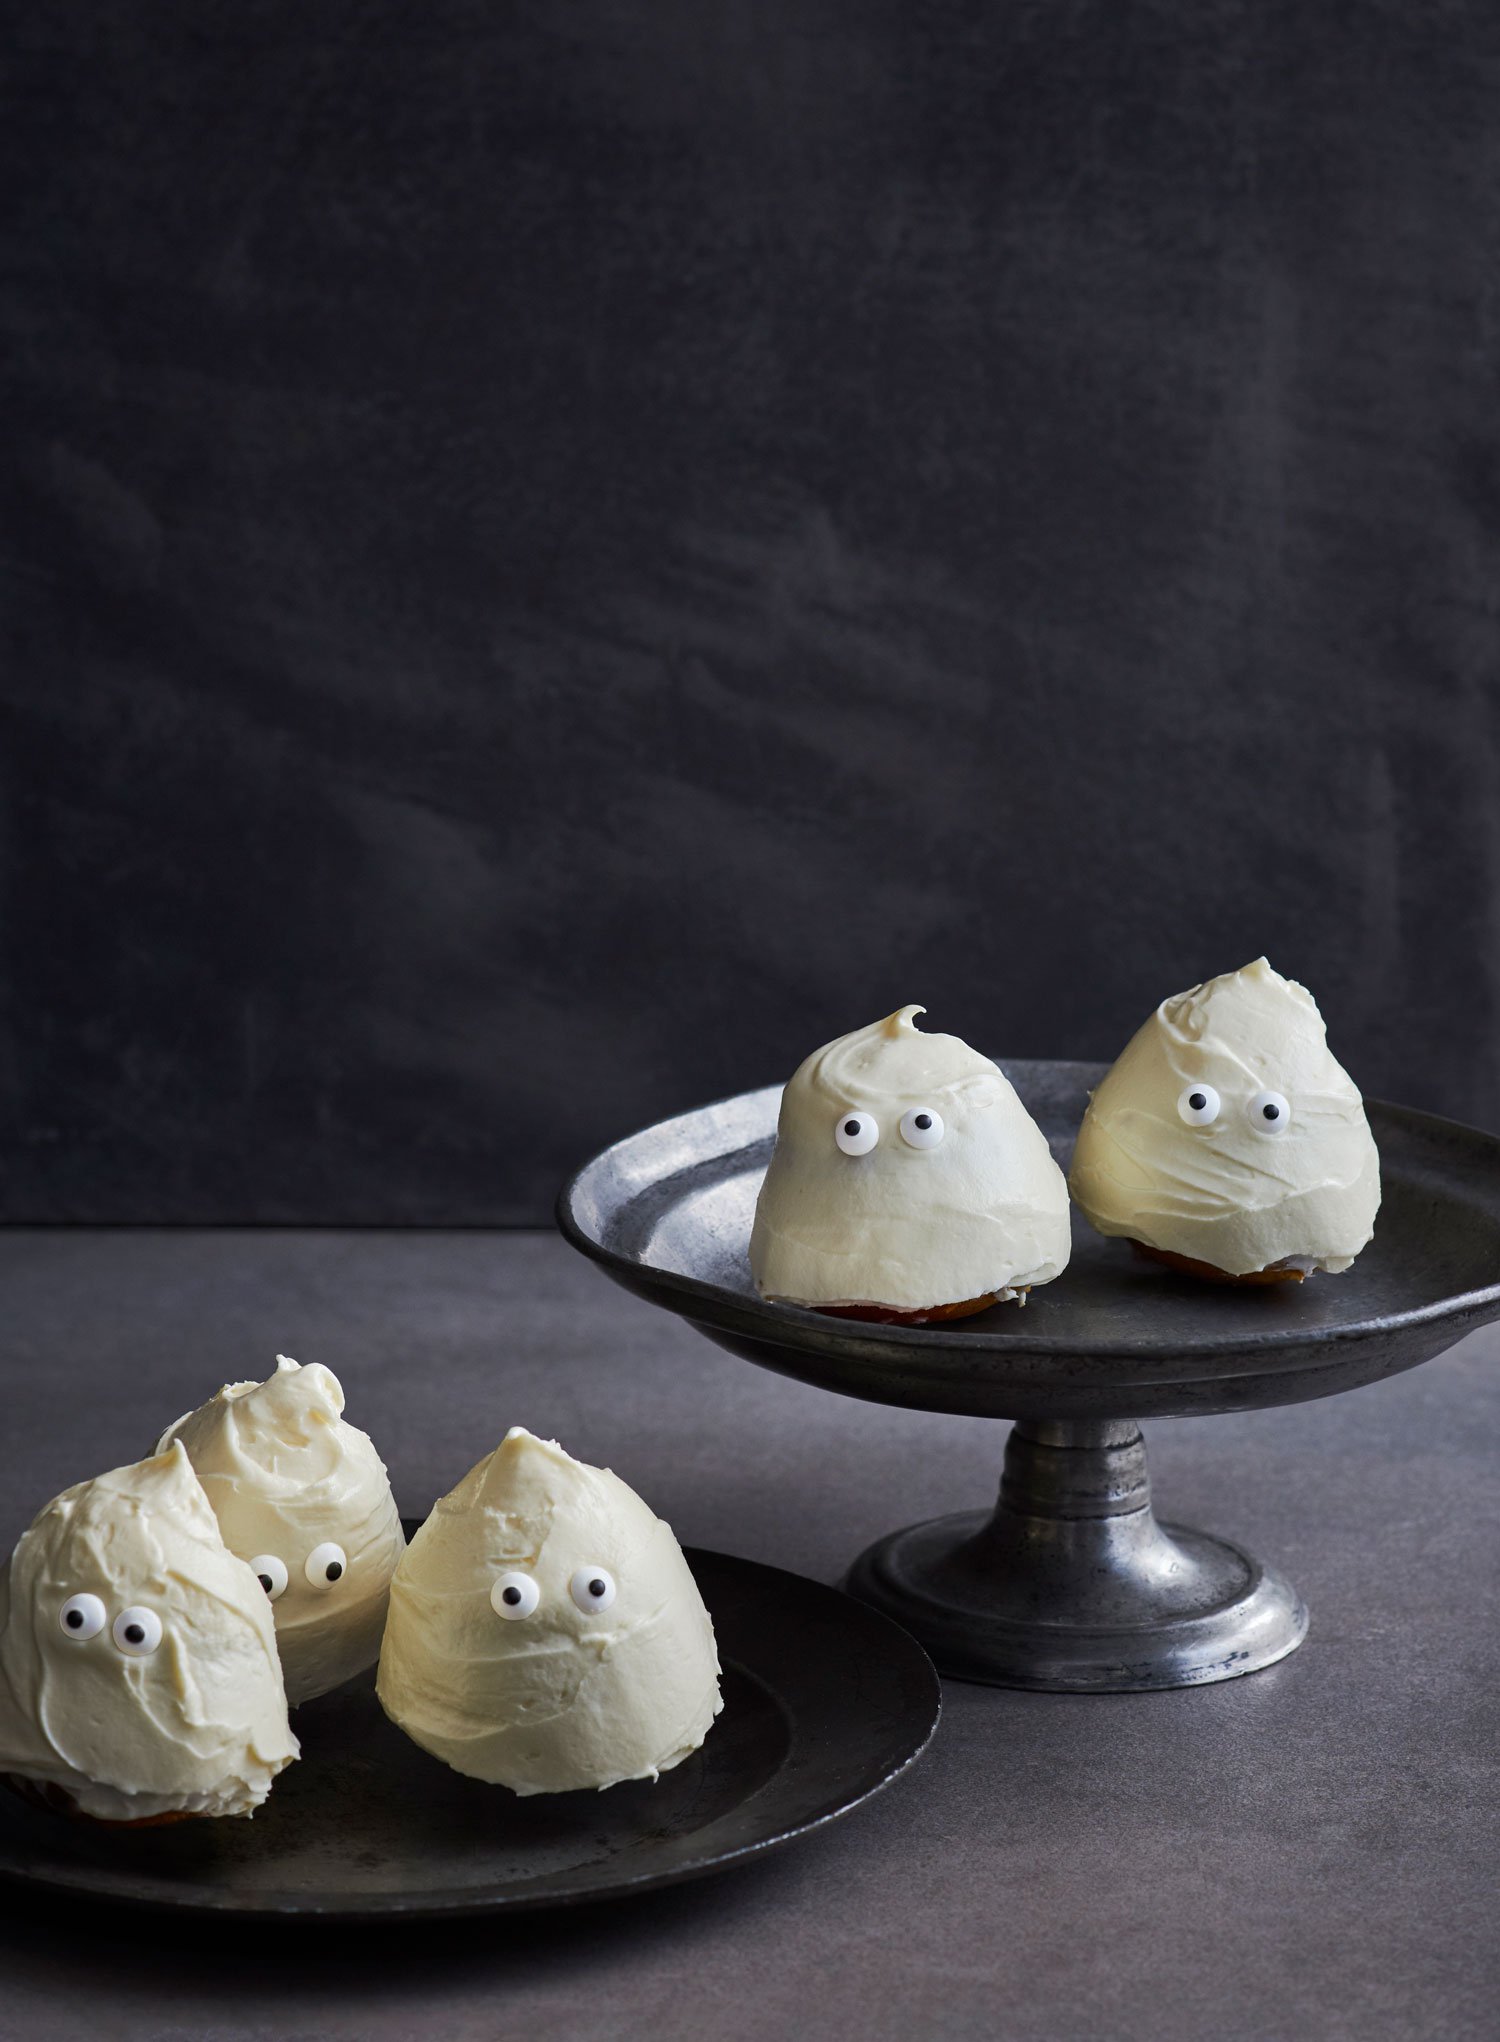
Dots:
(928, 1315)
(58, 1801)
(1275, 1272)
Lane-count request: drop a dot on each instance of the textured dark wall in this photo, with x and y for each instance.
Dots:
(555, 556)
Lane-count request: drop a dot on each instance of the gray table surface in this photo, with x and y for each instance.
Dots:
(1311, 1852)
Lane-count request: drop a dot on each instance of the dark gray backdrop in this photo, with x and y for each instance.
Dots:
(556, 556)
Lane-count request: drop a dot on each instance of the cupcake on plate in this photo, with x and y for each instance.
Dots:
(908, 1183)
(546, 1632)
(302, 1496)
(1228, 1142)
(139, 1681)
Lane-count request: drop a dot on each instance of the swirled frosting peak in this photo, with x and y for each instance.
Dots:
(1228, 1133)
(138, 1667)
(304, 1497)
(907, 1174)
(545, 1631)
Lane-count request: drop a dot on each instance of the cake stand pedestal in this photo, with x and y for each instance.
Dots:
(1071, 1582)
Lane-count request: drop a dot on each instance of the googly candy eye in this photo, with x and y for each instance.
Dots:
(1198, 1105)
(272, 1575)
(137, 1632)
(326, 1565)
(593, 1589)
(856, 1133)
(1269, 1113)
(82, 1616)
(514, 1596)
(922, 1127)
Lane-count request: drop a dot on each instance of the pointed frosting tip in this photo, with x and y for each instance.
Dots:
(313, 1388)
(169, 1464)
(519, 1440)
(508, 1470)
(903, 1022)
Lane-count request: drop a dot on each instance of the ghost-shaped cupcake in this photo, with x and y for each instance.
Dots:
(138, 1673)
(545, 1631)
(908, 1182)
(303, 1497)
(1228, 1140)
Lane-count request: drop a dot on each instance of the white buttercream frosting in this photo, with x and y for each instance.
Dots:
(1242, 1190)
(167, 1695)
(288, 1476)
(496, 1658)
(906, 1221)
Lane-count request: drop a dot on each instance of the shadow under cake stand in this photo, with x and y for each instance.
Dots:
(1071, 1582)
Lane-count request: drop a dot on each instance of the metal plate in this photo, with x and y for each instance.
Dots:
(667, 1213)
(825, 1701)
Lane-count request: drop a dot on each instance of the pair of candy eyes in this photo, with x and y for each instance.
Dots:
(324, 1567)
(516, 1595)
(1267, 1112)
(136, 1631)
(857, 1133)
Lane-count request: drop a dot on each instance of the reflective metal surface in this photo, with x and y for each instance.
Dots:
(1072, 1582)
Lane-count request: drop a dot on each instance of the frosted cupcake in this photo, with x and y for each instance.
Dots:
(908, 1182)
(545, 1631)
(302, 1496)
(138, 1673)
(1228, 1141)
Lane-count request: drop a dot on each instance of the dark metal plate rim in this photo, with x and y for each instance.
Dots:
(579, 1888)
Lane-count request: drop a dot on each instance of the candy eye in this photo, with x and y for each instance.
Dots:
(1198, 1105)
(272, 1573)
(82, 1616)
(592, 1588)
(1269, 1113)
(856, 1133)
(514, 1596)
(326, 1565)
(137, 1632)
(922, 1127)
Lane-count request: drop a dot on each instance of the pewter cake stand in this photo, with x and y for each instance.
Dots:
(1071, 1582)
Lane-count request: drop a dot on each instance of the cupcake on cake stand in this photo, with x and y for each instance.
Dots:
(1071, 1582)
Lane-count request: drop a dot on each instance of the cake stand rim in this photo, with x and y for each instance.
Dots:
(710, 1307)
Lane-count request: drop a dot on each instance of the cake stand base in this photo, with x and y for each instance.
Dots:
(1072, 1584)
